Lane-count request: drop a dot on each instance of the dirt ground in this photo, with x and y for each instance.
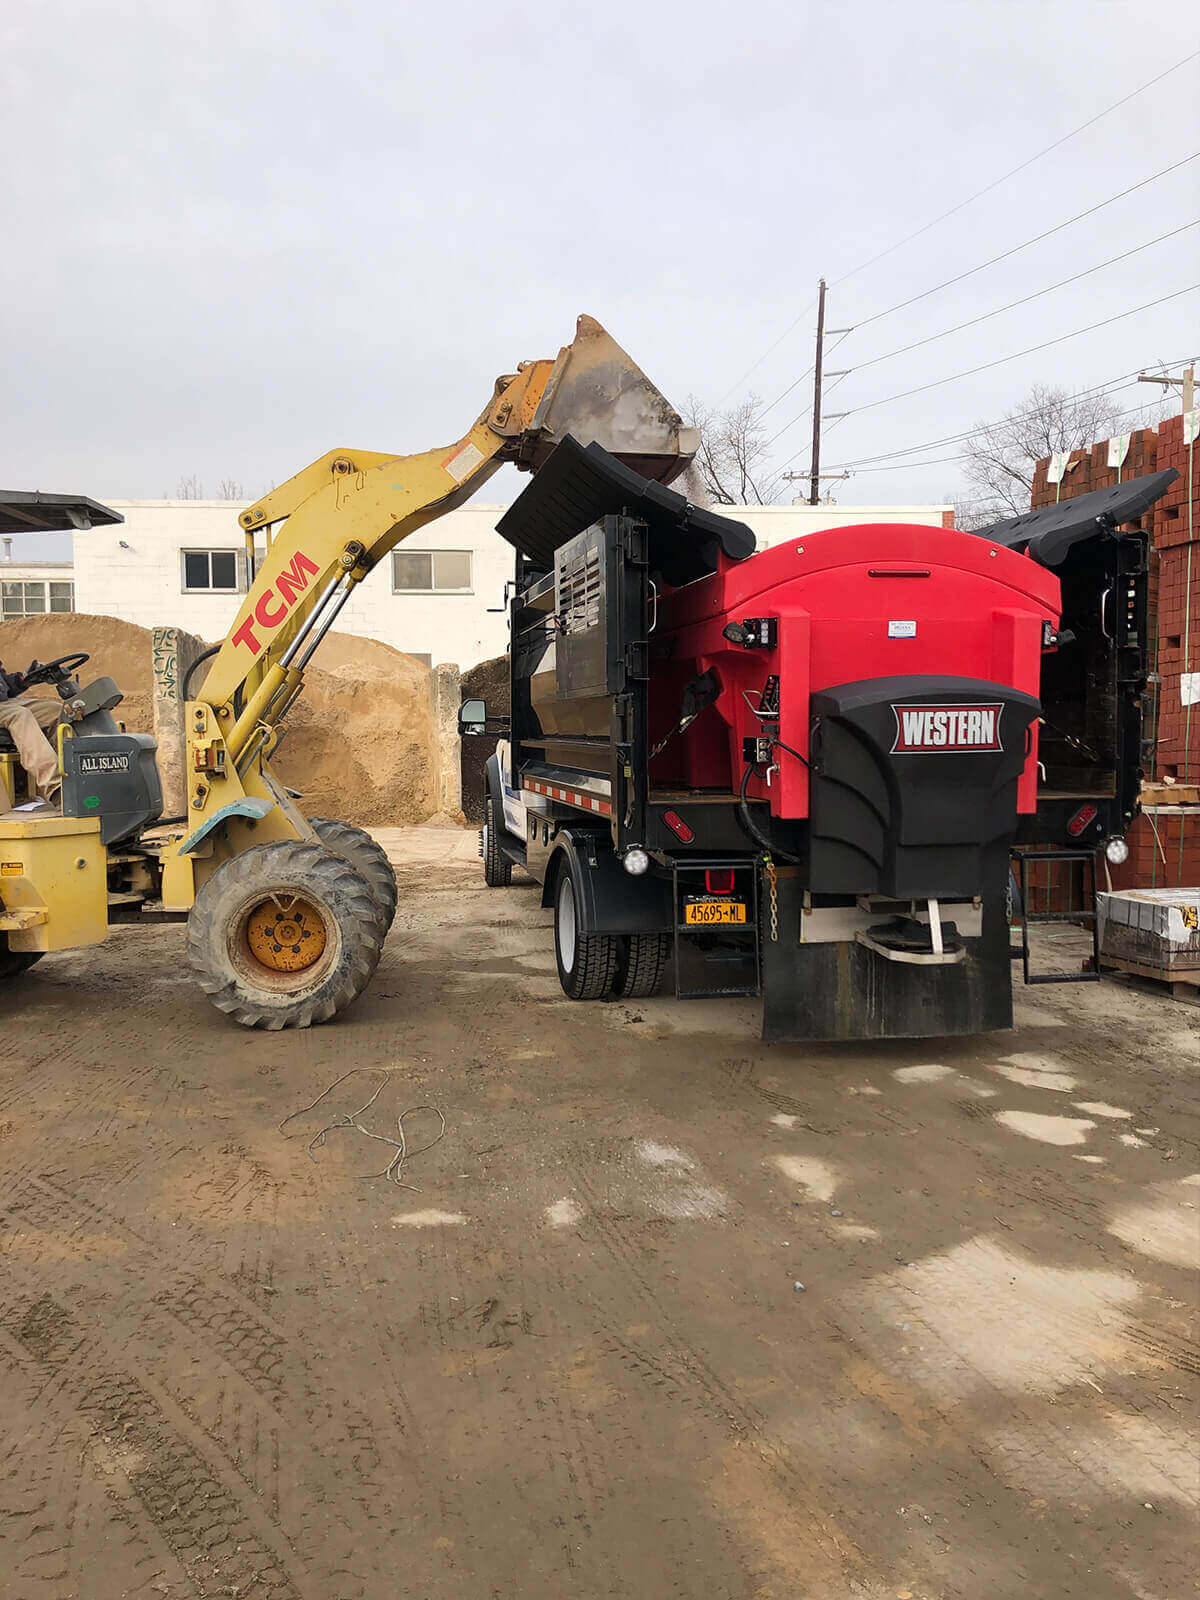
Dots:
(667, 1312)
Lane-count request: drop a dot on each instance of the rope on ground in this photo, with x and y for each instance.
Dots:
(393, 1172)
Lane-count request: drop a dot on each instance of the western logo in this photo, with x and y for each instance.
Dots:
(946, 730)
(272, 607)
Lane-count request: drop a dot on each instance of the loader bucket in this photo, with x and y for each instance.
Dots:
(597, 394)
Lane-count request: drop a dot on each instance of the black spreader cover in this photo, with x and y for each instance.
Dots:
(912, 826)
(1049, 534)
(578, 485)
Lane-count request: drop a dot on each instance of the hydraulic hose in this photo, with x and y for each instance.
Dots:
(204, 656)
(752, 827)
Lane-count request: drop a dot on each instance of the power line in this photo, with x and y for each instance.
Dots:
(996, 182)
(1115, 385)
(938, 461)
(979, 193)
(1017, 248)
(1016, 355)
(845, 335)
(1025, 299)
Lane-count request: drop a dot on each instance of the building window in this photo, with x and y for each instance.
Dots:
(210, 571)
(436, 571)
(32, 599)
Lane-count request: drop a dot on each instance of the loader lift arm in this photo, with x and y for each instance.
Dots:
(328, 527)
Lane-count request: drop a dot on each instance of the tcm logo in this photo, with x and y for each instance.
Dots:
(274, 605)
(946, 730)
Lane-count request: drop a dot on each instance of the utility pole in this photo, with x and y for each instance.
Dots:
(1187, 383)
(814, 490)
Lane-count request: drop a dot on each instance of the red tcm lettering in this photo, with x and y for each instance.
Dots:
(272, 607)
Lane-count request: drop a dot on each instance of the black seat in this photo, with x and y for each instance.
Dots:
(7, 747)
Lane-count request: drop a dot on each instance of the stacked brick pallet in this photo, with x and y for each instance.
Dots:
(1164, 841)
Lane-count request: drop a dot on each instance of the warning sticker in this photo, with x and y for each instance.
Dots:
(462, 462)
(11, 869)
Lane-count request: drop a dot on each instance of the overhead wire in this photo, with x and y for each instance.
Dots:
(987, 366)
(1016, 249)
(962, 204)
(1024, 300)
(1123, 380)
(1024, 165)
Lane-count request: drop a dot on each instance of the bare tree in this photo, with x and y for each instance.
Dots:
(189, 488)
(231, 490)
(1000, 456)
(731, 463)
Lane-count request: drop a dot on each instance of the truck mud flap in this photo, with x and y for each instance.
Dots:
(847, 991)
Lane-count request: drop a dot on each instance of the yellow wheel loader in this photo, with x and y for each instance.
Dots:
(286, 916)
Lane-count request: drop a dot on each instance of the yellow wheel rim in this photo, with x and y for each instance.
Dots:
(286, 933)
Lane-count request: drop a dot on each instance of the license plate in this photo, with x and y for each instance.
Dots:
(706, 913)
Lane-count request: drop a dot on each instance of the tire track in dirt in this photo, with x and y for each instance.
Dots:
(200, 1512)
(254, 1392)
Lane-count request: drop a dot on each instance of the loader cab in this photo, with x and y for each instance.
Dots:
(107, 773)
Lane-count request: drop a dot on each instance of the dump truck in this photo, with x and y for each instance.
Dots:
(799, 772)
(286, 915)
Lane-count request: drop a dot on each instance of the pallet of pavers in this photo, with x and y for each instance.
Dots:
(1153, 933)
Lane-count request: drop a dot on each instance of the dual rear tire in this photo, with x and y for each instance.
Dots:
(599, 966)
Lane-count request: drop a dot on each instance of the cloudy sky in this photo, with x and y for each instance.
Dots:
(242, 234)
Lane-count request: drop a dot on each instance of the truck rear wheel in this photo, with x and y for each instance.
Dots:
(365, 855)
(14, 962)
(587, 962)
(497, 868)
(285, 935)
(641, 960)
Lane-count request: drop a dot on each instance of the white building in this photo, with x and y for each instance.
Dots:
(30, 588)
(439, 596)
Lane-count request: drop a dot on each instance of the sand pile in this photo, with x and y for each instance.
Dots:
(358, 743)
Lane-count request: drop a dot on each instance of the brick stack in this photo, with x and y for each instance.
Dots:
(1164, 841)
(1178, 606)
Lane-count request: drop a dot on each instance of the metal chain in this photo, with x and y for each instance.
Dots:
(773, 887)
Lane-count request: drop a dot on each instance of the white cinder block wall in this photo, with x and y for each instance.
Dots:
(134, 571)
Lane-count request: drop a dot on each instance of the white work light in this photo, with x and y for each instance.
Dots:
(1117, 851)
(635, 862)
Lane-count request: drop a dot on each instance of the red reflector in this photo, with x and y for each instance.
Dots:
(678, 826)
(1080, 820)
(718, 880)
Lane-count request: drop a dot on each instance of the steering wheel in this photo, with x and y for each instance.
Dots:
(68, 664)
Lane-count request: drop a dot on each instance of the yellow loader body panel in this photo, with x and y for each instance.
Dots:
(53, 888)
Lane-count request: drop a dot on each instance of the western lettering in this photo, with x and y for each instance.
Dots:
(946, 729)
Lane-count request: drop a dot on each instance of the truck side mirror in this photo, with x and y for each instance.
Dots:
(472, 718)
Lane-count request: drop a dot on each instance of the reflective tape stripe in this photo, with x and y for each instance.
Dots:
(569, 797)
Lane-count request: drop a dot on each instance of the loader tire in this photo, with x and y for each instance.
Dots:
(365, 855)
(587, 962)
(14, 962)
(641, 960)
(497, 868)
(284, 935)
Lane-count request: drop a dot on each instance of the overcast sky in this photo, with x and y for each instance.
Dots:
(239, 235)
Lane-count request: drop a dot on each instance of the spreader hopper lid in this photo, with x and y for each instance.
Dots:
(1048, 535)
(580, 484)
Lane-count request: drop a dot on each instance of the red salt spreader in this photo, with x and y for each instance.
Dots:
(801, 772)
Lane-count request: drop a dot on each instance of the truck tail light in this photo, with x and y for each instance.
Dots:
(718, 880)
(678, 826)
(1081, 819)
